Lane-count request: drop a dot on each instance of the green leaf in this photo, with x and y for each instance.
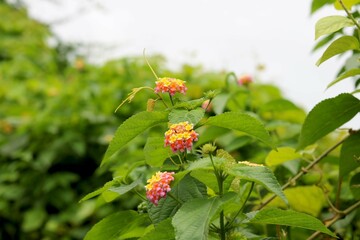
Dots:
(350, 152)
(350, 73)
(348, 4)
(190, 105)
(120, 190)
(340, 45)
(187, 189)
(98, 191)
(131, 128)
(33, 219)
(330, 24)
(154, 151)
(288, 218)
(326, 116)
(258, 174)
(317, 4)
(120, 225)
(355, 185)
(283, 154)
(242, 122)
(163, 231)
(193, 218)
(193, 116)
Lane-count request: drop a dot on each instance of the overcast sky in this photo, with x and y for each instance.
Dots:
(233, 35)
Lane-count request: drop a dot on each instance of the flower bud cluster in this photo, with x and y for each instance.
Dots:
(158, 185)
(180, 136)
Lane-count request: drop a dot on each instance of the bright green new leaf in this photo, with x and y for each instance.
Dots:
(258, 174)
(163, 231)
(330, 24)
(350, 73)
(350, 152)
(288, 218)
(193, 116)
(242, 122)
(348, 4)
(131, 128)
(338, 46)
(306, 199)
(326, 116)
(187, 189)
(154, 151)
(201, 212)
(283, 154)
(120, 225)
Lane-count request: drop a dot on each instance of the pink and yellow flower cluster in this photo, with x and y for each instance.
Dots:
(158, 186)
(170, 85)
(180, 136)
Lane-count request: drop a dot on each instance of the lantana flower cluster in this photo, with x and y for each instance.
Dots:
(158, 186)
(170, 85)
(180, 136)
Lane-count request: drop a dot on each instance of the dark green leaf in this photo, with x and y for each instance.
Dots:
(188, 188)
(120, 225)
(163, 231)
(258, 174)
(201, 212)
(350, 152)
(193, 116)
(131, 128)
(154, 151)
(340, 45)
(242, 122)
(326, 116)
(288, 218)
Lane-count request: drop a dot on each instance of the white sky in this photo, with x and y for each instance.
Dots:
(233, 35)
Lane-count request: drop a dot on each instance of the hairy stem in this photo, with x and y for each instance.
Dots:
(242, 207)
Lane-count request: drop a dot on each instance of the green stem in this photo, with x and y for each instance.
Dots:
(220, 181)
(350, 15)
(242, 207)
(227, 78)
(171, 99)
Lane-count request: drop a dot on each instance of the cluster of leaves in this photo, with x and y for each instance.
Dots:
(335, 32)
(212, 195)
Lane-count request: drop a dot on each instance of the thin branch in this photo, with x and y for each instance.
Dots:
(337, 217)
(303, 171)
(349, 14)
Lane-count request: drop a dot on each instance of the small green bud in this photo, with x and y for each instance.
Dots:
(208, 148)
